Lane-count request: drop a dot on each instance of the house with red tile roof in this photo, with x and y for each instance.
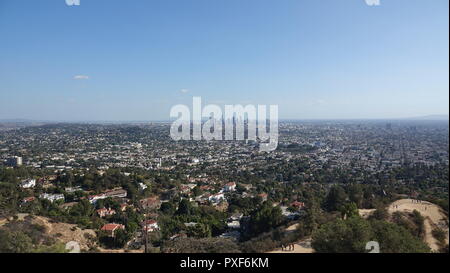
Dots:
(112, 228)
(150, 203)
(298, 205)
(263, 196)
(28, 199)
(229, 187)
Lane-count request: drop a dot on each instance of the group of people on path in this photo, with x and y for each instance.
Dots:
(419, 202)
(288, 247)
(415, 201)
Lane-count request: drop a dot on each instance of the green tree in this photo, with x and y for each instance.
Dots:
(352, 235)
(396, 239)
(167, 208)
(14, 242)
(121, 237)
(200, 230)
(185, 208)
(265, 218)
(419, 222)
(349, 210)
(342, 236)
(356, 194)
(381, 213)
(335, 199)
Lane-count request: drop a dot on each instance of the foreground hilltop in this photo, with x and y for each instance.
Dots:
(433, 214)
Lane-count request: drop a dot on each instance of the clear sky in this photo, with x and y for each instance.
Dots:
(134, 60)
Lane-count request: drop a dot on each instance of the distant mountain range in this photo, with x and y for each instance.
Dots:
(430, 117)
(16, 120)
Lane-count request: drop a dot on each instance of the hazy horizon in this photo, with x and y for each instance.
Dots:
(443, 118)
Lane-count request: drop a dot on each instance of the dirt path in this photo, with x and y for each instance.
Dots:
(103, 250)
(429, 239)
(365, 213)
(303, 246)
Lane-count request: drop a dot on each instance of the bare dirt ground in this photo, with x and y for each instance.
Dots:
(434, 217)
(20, 217)
(365, 213)
(62, 232)
(66, 232)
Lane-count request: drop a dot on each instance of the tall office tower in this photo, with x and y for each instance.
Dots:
(389, 126)
(15, 161)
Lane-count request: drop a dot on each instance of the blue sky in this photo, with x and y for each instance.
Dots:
(134, 60)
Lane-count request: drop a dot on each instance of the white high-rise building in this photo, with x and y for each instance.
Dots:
(15, 161)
